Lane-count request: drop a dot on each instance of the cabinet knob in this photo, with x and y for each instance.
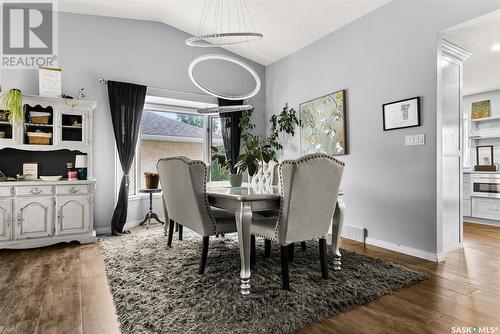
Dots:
(35, 191)
(73, 190)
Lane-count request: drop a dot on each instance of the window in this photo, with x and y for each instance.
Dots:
(167, 134)
(217, 173)
(169, 130)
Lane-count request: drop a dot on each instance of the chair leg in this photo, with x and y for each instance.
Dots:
(180, 231)
(291, 252)
(267, 248)
(176, 227)
(170, 232)
(322, 258)
(204, 254)
(252, 250)
(303, 245)
(284, 267)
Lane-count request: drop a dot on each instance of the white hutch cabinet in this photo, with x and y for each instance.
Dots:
(40, 213)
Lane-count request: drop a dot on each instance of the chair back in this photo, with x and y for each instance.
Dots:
(183, 182)
(266, 175)
(309, 188)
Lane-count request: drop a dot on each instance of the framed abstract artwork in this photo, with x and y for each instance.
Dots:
(324, 125)
(401, 114)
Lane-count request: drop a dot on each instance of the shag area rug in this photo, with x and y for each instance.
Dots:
(158, 290)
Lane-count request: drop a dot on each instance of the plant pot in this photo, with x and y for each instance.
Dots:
(152, 180)
(235, 180)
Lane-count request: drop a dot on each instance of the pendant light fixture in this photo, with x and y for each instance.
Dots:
(224, 22)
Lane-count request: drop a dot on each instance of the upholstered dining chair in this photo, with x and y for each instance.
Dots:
(266, 175)
(185, 198)
(309, 188)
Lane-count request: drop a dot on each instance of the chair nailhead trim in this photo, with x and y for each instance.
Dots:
(297, 162)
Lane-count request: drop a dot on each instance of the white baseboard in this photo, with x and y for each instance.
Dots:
(481, 221)
(405, 250)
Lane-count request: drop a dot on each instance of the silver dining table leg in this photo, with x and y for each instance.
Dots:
(338, 221)
(243, 219)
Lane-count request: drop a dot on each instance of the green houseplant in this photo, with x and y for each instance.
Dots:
(257, 149)
(12, 102)
(220, 157)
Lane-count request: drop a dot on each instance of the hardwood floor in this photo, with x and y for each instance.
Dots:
(63, 289)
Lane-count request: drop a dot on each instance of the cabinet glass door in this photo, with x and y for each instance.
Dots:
(72, 128)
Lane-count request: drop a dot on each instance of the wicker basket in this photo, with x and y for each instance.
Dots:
(39, 117)
(152, 180)
(39, 138)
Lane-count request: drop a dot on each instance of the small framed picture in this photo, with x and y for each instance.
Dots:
(401, 114)
(30, 171)
(484, 155)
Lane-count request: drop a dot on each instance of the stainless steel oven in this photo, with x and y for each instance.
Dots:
(485, 185)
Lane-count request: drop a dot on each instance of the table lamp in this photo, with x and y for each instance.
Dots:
(81, 166)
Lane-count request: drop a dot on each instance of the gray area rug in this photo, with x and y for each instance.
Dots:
(158, 290)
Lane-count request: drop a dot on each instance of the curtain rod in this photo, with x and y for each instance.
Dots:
(104, 82)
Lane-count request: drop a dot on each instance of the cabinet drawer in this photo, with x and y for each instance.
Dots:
(72, 190)
(34, 191)
(486, 208)
(5, 191)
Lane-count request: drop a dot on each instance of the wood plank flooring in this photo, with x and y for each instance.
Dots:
(63, 289)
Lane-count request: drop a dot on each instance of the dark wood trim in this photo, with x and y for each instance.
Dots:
(267, 248)
(322, 258)
(204, 255)
(252, 250)
(171, 227)
(180, 231)
(284, 268)
(291, 252)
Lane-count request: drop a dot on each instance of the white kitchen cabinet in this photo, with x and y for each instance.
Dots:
(35, 217)
(486, 208)
(73, 214)
(5, 219)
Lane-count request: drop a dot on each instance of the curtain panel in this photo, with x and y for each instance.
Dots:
(231, 132)
(126, 102)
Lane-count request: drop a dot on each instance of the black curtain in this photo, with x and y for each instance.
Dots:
(126, 102)
(231, 132)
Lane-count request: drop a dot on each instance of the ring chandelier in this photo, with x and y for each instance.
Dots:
(223, 39)
(216, 110)
(227, 59)
(224, 17)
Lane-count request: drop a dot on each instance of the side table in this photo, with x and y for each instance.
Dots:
(151, 215)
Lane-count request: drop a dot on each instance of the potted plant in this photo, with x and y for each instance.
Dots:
(12, 102)
(235, 178)
(257, 149)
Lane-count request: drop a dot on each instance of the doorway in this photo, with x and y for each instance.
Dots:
(468, 129)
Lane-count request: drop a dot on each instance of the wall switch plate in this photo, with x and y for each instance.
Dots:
(415, 140)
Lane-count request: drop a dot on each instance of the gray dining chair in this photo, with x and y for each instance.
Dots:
(186, 202)
(309, 188)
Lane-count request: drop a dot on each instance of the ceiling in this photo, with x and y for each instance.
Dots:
(478, 36)
(287, 25)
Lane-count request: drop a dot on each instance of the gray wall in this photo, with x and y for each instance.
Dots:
(385, 56)
(148, 53)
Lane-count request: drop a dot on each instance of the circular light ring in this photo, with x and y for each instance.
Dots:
(215, 110)
(231, 60)
(217, 39)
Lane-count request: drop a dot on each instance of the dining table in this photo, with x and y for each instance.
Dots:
(248, 199)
